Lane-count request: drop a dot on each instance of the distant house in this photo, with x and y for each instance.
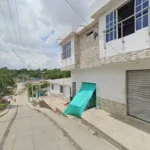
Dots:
(60, 88)
(35, 79)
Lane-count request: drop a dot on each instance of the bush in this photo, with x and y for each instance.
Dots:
(3, 106)
(45, 85)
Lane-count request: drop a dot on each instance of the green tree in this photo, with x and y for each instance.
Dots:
(26, 74)
(6, 82)
(45, 84)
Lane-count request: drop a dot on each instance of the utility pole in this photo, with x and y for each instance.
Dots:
(42, 76)
(32, 92)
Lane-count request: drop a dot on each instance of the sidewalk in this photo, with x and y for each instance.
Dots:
(6, 110)
(120, 133)
(81, 137)
(5, 122)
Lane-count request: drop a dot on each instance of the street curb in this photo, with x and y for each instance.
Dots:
(4, 137)
(102, 134)
(59, 126)
(5, 111)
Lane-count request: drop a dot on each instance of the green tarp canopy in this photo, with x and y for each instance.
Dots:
(81, 100)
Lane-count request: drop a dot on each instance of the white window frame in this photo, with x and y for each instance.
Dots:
(66, 50)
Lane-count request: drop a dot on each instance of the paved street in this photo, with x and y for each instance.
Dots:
(32, 131)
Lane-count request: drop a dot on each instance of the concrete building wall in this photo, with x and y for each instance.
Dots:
(67, 91)
(87, 48)
(134, 42)
(110, 82)
(71, 60)
(56, 91)
(65, 82)
(105, 79)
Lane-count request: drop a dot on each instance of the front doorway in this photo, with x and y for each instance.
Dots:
(73, 89)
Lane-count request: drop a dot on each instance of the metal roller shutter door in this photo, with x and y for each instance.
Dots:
(138, 94)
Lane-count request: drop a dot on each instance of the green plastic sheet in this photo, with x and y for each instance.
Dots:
(81, 100)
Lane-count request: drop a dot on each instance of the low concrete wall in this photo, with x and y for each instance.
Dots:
(113, 107)
(42, 104)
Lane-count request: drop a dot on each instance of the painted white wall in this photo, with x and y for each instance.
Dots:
(56, 90)
(69, 61)
(136, 41)
(67, 91)
(48, 90)
(110, 80)
(63, 81)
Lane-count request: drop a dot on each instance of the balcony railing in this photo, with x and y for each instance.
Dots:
(126, 27)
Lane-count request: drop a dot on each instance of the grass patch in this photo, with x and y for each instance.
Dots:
(3, 106)
(34, 103)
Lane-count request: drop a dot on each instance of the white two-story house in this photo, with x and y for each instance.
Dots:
(113, 51)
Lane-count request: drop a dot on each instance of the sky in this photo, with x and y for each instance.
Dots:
(33, 32)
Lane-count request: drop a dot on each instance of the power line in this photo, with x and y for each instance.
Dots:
(22, 60)
(69, 3)
(9, 35)
(6, 28)
(21, 43)
(78, 9)
(12, 22)
(5, 22)
(20, 28)
(11, 16)
(18, 25)
(75, 10)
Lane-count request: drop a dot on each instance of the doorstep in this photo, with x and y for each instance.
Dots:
(122, 135)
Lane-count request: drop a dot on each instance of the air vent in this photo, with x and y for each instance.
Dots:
(88, 34)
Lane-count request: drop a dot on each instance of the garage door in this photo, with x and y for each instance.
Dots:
(138, 94)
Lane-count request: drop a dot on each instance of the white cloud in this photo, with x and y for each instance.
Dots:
(41, 23)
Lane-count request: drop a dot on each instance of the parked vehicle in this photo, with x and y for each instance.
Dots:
(4, 100)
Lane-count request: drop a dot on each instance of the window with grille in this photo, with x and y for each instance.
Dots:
(67, 50)
(141, 14)
(61, 89)
(110, 26)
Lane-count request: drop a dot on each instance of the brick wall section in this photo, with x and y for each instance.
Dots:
(125, 57)
(76, 51)
(87, 49)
